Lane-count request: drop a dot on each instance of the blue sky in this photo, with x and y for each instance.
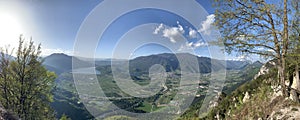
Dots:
(55, 23)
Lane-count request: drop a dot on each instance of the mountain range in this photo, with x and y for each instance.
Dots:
(60, 63)
(65, 98)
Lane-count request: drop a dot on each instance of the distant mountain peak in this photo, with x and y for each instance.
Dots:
(258, 62)
(58, 54)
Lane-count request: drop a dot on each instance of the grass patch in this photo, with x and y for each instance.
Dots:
(119, 117)
(148, 107)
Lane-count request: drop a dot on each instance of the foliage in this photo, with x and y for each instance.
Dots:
(257, 27)
(293, 57)
(119, 117)
(25, 84)
(64, 117)
(240, 82)
(233, 102)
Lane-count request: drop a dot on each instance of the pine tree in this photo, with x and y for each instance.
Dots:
(29, 91)
(5, 82)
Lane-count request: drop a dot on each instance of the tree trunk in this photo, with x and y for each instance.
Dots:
(297, 76)
(297, 80)
(282, 81)
(284, 49)
(295, 96)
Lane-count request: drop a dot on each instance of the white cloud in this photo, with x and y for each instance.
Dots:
(174, 34)
(191, 46)
(158, 29)
(206, 25)
(192, 33)
(240, 58)
(264, 49)
(186, 47)
(47, 51)
(200, 44)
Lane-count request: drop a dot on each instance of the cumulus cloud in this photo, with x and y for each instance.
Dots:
(192, 33)
(174, 34)
(158, 29)
(47, 51)
(206, 25)
(200, 44)
(240, 58)
(264, 49)
(186, 47)
(191, 46)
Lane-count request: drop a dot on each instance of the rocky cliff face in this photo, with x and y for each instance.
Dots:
(258, 99)
(265, 69)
